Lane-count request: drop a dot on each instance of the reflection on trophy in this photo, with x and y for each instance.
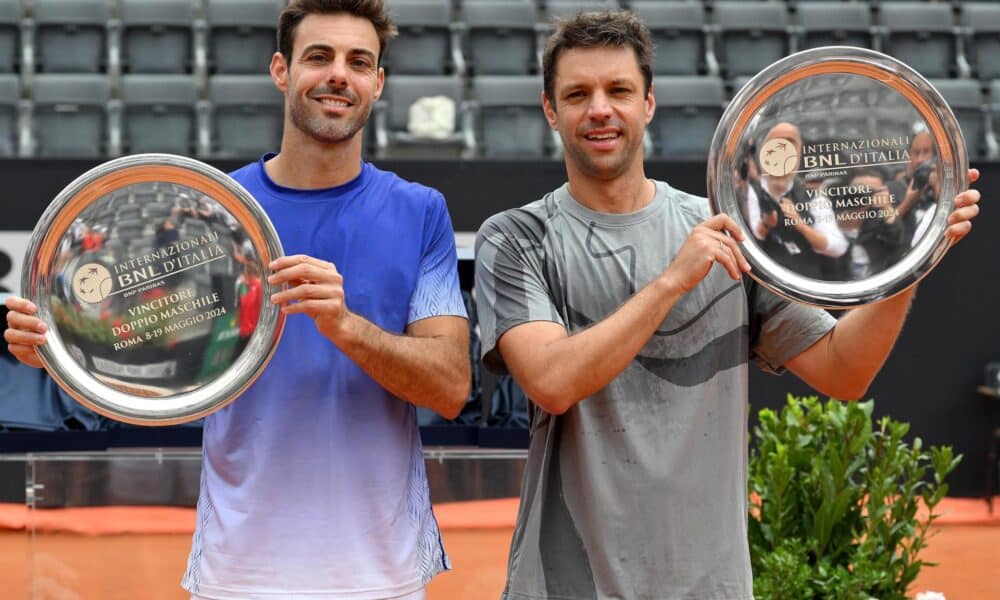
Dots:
(148, 270)
(842, 164)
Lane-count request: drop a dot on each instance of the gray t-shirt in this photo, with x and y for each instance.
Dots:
(639, 491)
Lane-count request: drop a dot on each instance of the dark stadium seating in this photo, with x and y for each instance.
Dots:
(198, 41)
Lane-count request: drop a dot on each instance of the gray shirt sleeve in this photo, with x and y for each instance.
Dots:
(781, 329)
(511, 286)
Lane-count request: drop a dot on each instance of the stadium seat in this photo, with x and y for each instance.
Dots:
(246, 115)
(835, 24)
(10, 113)
(924, 36)
(509, 118)
(427, 44)
(71, 36)
(568, 8)
(392, 116)
(501, 37)
(241, 35)
(70, 114)
(750, 35)
(157, 36)
(159, 113)
(965, 99)
(10, 35)
(679, 35)
(687, 112)
(982, 25)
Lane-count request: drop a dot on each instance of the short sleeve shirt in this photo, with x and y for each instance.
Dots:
(638, 491)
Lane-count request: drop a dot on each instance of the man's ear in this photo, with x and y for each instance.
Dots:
(379, 83)
(650, 104)
(279, 71)
(549, 110)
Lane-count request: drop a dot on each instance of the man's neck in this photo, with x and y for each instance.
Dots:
(625, 194)
(307, 164)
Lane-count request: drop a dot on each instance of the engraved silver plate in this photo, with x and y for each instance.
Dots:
(150, 271)
(841, 165)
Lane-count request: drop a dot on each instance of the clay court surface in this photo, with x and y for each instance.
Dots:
(112, 553)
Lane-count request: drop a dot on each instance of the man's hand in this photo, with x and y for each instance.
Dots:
(315, 289)
(708, 244)
(24, 331)
(789, 212)
(966, 209)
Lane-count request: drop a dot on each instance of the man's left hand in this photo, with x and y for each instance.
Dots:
(966, 209)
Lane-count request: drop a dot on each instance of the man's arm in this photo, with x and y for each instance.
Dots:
(844, 362)
(428, 366)
(557, 370)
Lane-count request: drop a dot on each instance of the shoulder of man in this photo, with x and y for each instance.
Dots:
(244, 173)
(695, 206)
(528, 222)
(411, 191)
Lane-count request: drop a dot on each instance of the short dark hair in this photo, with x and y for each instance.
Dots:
(594, 30)
(372, 10)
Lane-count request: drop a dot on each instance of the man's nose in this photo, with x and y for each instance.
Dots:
(337, 74)
(600, 106)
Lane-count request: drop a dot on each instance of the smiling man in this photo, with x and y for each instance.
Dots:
(313, 481)
(619, 305)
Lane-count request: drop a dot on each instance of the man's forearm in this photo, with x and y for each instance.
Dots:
(432, 372)
(567, 370)
(859, 344)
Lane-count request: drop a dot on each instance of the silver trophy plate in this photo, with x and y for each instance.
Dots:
(151, 274)
(841, 166)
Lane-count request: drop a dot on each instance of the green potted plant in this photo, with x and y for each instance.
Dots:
(834, 500)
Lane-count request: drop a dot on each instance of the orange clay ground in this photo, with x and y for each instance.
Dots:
(130, 553)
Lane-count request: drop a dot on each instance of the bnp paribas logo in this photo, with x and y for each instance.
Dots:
(779, 157)
(92, 283)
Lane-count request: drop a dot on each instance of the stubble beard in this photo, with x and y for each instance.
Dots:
(324, 129)
(604, 167)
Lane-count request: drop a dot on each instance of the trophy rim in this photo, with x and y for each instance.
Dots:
(91, 390)
(931, 107)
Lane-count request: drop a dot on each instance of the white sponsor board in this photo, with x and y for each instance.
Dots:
(13, 244)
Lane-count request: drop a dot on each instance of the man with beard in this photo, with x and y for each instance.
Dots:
(313, 480)
(621, 308)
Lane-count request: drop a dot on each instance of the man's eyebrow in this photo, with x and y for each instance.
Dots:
(329, 49)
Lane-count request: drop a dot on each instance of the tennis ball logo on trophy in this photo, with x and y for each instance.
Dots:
(92, 283)
(779, 157)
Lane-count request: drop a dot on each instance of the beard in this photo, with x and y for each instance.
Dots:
(605, 166)
(325, 129)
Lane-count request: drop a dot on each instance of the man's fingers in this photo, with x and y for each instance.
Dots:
(312, 308)
(733, 249)
(25, 354)
(21, 337)
(20, 305)
(724, 222)
(958, 231)
(967, 197)
(304, 272)
(296, 259)
(306, 291)
(724, 257)
(973, 175)
(24, 322)
(963, 214)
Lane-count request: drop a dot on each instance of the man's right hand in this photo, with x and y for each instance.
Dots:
(706, 245)
(24, 331)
